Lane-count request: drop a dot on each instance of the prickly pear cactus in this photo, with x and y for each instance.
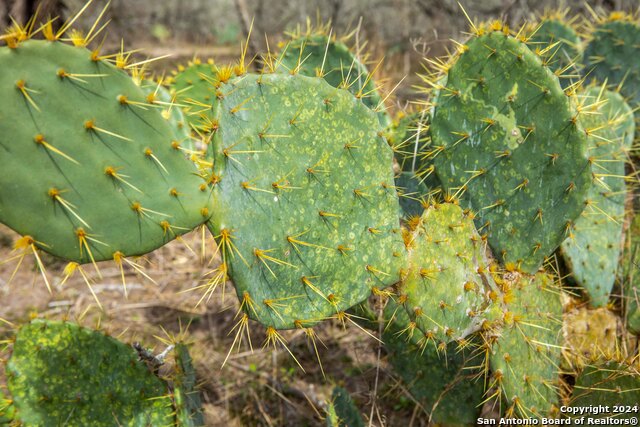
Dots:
(90, 172)
(505, 135)
(589, 333)
(158, 95)
(186, 396)
(557, 41)
(408, 135)
(525, 355)
(592, 250)
(317, 54)
(7, 410)
(194, 86)
(630, 276)
(60, 373)
(609, 383)
(342, 411)
(413, 194)
(443, 378)
(613, 54)
(308, 220)
(445, 289)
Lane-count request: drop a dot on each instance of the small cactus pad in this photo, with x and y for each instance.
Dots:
(342, 411)
(505, 135)
(62, 374)
(445, 281)
(318, 55)
(159, 95)
(525, 355)
(89, 170)
(185, 393)
(629, 276)
(308, 223)
(612, 383)
(557, 40)
(592, 250)
(444, 379)
(194, 89)
(613, 55)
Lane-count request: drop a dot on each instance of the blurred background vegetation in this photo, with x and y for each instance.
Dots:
(400, 31)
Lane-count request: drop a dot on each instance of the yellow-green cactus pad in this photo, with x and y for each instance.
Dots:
(526, 353)
(308, 220)
(446, 284)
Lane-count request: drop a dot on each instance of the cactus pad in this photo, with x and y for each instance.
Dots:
(413, 194)
(90, 172)
(565, 47)
(445, 282)
(60, 373)
(526, 354)
(613, 55)
(185, 394)
(609, 383)
(308, 220)
(194, 88)
(592, 250)
(630, 276)
(342, 411)
(318, 55)
(505, 135)
(444, 379)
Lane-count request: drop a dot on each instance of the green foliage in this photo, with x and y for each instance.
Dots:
(7, 410)
(88, 173)
(526, 352)
(60, 373)
(504, 134)
(342, 411)
(445, 289)
(592, 250)
(308, 215)
(185, 393)
(316, 54)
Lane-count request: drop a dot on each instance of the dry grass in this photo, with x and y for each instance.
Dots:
(263, 387)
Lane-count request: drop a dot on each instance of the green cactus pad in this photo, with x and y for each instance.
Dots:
(593, 248)
(88, 170)
(171, 112)
(195, 90)
(342, 411)
(444, 380)
(308, 217)
(318, 55)
(613, 55)
(630, 276)
(445, 282)
(526, 354)
(412, 193)
(609, 383)
(62, 374)
(506, 136)
(185, 393)
(565, 53)
(409, 137)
